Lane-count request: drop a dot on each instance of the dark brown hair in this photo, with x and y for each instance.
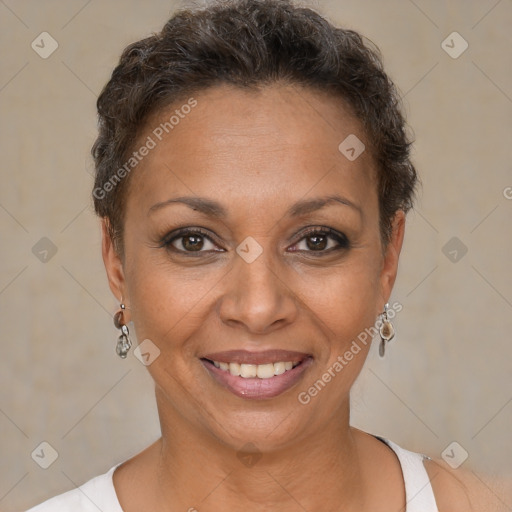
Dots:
(250, 44)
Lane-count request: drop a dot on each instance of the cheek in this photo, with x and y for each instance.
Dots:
(168, 303)
(345, 296)
(345, 305)
(343, 309)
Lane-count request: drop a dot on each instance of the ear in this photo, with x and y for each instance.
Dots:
(113, 263)
(391, 256)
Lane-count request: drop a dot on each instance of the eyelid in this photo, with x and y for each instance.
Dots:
(182, 232)
(340, 237)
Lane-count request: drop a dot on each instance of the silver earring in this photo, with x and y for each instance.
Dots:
(123, 342)
(386, 331)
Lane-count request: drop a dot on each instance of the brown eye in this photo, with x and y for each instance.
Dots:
(189, 241)
(192, 242)
(317, 242)
(323, 241)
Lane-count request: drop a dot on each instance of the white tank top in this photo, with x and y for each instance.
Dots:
(419, 495)
(99, 492)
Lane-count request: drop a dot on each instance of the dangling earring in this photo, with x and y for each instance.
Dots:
(386, 331)
(123, 342)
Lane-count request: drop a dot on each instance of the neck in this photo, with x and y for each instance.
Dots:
(199, 471)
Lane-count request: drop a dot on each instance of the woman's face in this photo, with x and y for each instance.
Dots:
(276, 267)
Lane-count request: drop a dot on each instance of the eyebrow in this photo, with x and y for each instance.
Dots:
(215, 209)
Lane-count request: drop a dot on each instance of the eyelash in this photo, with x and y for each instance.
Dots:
(340, 238)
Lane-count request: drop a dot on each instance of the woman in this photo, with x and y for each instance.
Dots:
(252, 180)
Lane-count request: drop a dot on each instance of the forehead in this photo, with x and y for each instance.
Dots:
(246, 147)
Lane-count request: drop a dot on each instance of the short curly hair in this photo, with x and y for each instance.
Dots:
(250, 44)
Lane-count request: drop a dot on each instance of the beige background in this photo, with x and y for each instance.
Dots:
(446, 377)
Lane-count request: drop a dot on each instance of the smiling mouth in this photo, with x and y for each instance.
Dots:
(261, 371)
(257, 381)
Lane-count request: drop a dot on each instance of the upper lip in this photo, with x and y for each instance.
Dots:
(263, 357)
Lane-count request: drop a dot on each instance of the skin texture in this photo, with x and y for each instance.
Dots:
(256, 153)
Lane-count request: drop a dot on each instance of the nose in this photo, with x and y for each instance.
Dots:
(258, 298)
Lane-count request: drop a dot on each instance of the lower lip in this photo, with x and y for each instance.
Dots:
(256, 388)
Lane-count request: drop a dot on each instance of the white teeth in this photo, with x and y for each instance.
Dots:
(279, 368)
(265, 371)
(248, 371)
(234, 369)
(262, 371)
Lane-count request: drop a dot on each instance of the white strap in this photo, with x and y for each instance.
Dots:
(419, 495)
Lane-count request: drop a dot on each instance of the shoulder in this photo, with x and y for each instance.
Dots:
(462, 490)
(96, 494)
